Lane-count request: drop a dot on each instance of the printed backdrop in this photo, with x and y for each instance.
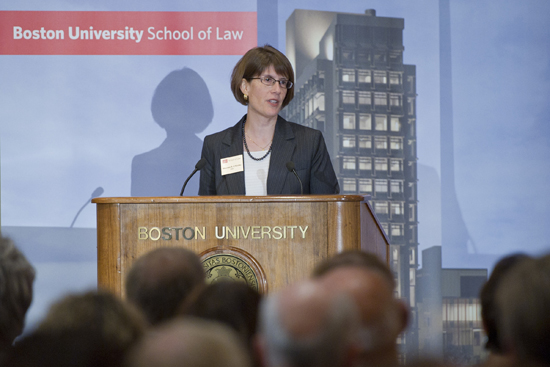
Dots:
(87, 92)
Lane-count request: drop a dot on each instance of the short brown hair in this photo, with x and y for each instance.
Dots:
(254, 62)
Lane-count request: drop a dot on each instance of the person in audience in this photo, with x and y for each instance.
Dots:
(16, 291)
(94, 328)
(371, 284)
(159, 281)
(234, 304)
(79, 347)
(307, 325)
(189, 342)
(523, 302)
(489, 312)
(117, 322)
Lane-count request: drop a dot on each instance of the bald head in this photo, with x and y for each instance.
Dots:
(192, 343)
(307, 324)
(383, 317)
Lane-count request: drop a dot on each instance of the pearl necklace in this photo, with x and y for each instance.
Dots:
(248, 150)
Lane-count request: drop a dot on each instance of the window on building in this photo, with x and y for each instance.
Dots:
(349, 121)
(365, 186)
(412, 212)
(380, 77)
(348, 141)
(396, 57)
(380, 99)
(346, 55)
(365, 142)
(381, 164)
(364, 76)
(380, 57)
(412, 191)
(397, 230)
(395, 78)
(412, 277)
(381, 207)
(396, 186)
(380, 142)
(348, 75)
(395, 124)
(364, 98)
(396, 143)
(309, 107)
(412, 257)
(410, 82)
(396, 165)
(381, 186)
(410, 102)
(319, 101)
(363, 57)
(348, 97)
(348, 163)
(365, 122)
(349, 185)
(395, 100)
(396, 208)
(365, 163)
(381, 123)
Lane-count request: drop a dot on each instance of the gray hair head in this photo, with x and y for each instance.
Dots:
(325, 345)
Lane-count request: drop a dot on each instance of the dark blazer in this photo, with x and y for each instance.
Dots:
(291, 142)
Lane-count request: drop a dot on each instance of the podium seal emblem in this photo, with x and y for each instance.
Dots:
(232, 264)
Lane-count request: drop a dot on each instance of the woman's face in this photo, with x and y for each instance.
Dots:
(264, 100)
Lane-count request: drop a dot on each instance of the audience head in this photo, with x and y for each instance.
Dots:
(65, 348)
(159, 281)
(101, 313)
(16, 282)
(489, 313)
(370, 282)
(307, 324)
(234, 304)
(523, 299)
(189, 342)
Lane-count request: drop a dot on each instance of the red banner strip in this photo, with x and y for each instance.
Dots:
(126, 33)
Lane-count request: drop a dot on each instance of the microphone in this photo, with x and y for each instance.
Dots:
(290, 167)
(97, 192)
(200, 164)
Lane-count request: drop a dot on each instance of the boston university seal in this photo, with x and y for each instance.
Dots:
(233, 264)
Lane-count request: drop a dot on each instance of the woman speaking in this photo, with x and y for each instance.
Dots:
(263, 153)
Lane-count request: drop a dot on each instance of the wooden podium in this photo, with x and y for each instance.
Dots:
(285, 235)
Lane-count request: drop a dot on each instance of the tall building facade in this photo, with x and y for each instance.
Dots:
(352, 85)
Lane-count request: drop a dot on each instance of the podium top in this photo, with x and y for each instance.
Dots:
(229, 199)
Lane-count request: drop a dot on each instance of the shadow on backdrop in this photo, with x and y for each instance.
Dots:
(183, 107)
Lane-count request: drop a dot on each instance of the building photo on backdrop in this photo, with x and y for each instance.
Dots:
(436, 109)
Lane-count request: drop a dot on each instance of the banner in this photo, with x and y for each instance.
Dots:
(126, 33)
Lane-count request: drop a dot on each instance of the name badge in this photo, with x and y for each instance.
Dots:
(232, 164)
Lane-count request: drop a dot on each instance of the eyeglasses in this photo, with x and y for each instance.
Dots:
(267, 80)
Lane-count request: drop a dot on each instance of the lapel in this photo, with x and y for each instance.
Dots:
(232, 145)
(284, 144)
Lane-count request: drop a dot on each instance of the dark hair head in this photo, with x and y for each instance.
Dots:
(489, 313)
(114, 320)
(159, 281)
(254, 62)
(232, 303)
